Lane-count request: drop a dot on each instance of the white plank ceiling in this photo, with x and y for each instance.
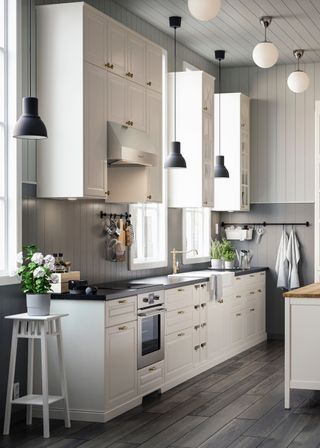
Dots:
(237, 30)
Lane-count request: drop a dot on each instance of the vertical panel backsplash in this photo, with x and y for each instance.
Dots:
(75, 229)
(265, 253)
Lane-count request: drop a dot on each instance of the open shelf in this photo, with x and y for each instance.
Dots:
(36, 400)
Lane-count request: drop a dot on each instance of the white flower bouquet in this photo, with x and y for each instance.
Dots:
(36, 271)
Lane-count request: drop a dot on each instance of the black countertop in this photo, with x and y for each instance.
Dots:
(155, 284)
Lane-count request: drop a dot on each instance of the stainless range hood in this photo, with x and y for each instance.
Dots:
(129, 147)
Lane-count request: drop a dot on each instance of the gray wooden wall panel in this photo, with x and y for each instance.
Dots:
(282, 131)
(265, 253)
(75, 228)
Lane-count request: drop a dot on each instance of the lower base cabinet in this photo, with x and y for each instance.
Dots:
(121, 364)
(178, 353)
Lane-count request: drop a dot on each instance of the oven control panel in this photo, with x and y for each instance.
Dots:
(150, 299)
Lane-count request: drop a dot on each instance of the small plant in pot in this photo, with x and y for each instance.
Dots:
(36, 272)
(216, 254)
(228, 254)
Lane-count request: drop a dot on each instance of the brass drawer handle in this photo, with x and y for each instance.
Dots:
(203, 344)
(252, 275)
(129, 74)
(196, 327)
(252, 309)
(203, 305)
(221, 301)
(251, 292)
(197, 286)
(152, 369)
(180, 334)
(131, 123)
(122, 301)
(107, 192)
(196, 307)
(123, 328)
(149, 83)
(259, 290)
(238, 297)
(128, 123)
(180, 289)
(238, 278)
(238, 314)
(203, 325)
(197, 347)
(180, 312)
(203, 285)
(108, 65)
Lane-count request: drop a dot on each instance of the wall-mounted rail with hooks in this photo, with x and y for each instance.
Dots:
(264, 224)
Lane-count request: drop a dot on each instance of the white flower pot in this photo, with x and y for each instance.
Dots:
(38, 304)
(229, 264)
(216, 263)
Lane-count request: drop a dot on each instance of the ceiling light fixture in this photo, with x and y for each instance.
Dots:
(265, 54)
(175, 159)
(298, 81)
(29, 125)
(219, 169)
(204, 9)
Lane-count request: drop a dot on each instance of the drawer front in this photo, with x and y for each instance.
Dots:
(121, 310)
(239, 299)
(178, 298)
(150, 378)
(179, 319)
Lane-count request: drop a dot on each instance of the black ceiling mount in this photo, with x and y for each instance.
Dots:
(175, 21)
(219, 55)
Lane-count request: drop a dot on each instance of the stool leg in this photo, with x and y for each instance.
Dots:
(30, 377)
(63, 376)
(12, 367)
(45, 390)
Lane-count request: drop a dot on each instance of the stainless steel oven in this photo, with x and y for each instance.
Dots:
(151, 314)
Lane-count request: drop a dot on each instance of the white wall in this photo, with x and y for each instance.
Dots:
(282, 131)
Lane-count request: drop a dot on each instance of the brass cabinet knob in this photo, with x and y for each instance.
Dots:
(205, 108)
(149, 83)
(108, 65)
(180, 334)
(181, 312)
(129, 74)
(203, 344)
(197, 347)
(107, 193)
(131, 123)
(149, 196)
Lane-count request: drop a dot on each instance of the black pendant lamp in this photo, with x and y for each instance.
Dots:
(175, 159)
(29, 125)
(219, 169)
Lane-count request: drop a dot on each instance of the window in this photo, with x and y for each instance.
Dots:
(196, 234)
(9, 239)
(150, 226)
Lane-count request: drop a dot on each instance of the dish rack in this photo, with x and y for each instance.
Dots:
(238, 233)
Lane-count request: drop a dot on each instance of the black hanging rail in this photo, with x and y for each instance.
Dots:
(264, 224)
(115, 215)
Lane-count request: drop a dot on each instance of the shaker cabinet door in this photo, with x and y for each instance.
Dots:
(154, 68)
(117, 49)
(116, 99)
(136, 59)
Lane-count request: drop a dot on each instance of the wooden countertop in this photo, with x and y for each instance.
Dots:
(310, 291)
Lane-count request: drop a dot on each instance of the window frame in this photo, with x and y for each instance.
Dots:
(195, 258)
(12, 149)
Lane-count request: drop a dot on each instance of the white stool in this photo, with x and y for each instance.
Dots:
(36, 327)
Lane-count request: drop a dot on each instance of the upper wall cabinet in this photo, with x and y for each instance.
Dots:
(233, 193)
(193, 186)
(92, 70)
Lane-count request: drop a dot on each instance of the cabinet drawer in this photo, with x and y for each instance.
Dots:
(150, 378)
(239, 299)
(179, 297)
(178, 319)
(121, 310)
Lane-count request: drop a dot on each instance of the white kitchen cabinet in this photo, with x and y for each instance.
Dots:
(121, 364)
(178, 354)
(95, 37)
(218, 328)
(195, 132)
(92, 70)
(136, 59)
(116, 48)
(233, 193)
(154, 63)
(237, 319)
(73, 98)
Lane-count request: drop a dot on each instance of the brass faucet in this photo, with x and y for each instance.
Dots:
(174, 252)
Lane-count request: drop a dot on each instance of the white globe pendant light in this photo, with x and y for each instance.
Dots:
(265, 54)
(298, 81)
(204, 9)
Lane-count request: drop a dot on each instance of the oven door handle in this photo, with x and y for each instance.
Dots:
(153, 313)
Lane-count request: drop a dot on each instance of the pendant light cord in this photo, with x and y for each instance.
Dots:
(219, 107)
(30, 48)
(175, 84)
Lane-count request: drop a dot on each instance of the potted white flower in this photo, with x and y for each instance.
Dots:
(36, 272)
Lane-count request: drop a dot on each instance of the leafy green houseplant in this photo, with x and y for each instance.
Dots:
(228, 253)
(216, 254)
(37, 276)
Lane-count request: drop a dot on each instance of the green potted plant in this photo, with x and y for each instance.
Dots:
(216, 255)
(228, 254)
(36, 272)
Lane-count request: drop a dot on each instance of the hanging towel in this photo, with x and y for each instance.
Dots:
(218, 287)
(282, 265)
(293, 257)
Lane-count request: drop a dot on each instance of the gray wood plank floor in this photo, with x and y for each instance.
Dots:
(237, 404)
